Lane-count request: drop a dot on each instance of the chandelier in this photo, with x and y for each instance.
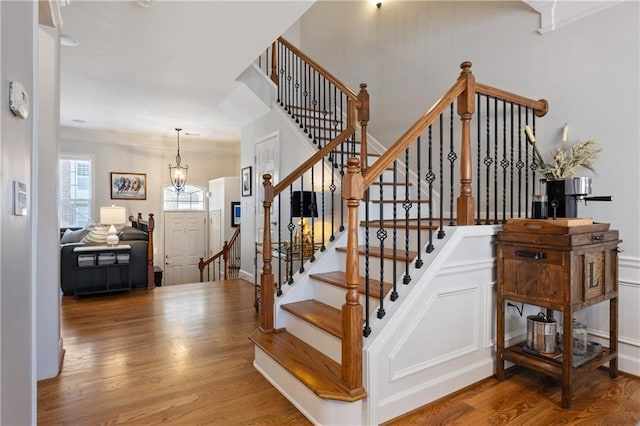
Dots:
(178, 173)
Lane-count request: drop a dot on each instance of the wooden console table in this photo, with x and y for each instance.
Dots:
(561, 267)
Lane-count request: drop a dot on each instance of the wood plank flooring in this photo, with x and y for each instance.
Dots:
(181, 355)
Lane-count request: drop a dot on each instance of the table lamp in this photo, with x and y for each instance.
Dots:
(113, 216)
(303, 205)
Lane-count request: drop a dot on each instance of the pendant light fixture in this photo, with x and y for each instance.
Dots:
(178, 173)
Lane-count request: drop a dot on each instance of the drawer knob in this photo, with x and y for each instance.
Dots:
(597, 237)
(534, 256)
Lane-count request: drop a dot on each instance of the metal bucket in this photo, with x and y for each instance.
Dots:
(541, 333)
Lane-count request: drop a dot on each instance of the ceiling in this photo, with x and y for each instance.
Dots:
(147, 70)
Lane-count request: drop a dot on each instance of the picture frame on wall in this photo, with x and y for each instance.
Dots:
(246, 181)
(128, 186)
(236, 212)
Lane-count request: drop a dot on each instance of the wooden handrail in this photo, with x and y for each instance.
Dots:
(330, 77)
(409, 137)
(315, 158)
(541, 107)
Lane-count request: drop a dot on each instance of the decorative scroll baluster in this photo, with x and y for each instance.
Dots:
(495, 156)
(430, 177)
(519, 163)
(394, 277)
(441, 174)
(488, 162)
(504, 163)
(452, 157)
(291, 227)
(407, 206)
(381, 234)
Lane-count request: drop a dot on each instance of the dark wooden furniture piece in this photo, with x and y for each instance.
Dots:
(100, 274)
(564, 266)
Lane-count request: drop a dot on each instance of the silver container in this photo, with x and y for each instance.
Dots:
(541, 333)
(578, 187)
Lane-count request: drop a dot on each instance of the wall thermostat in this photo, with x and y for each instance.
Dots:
(18, 100)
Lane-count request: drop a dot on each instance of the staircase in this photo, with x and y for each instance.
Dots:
(342, 334)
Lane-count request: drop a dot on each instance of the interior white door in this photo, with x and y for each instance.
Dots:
(184, 241)
(215, 232)
(267, 161)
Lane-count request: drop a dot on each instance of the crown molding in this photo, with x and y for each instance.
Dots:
(555, 14)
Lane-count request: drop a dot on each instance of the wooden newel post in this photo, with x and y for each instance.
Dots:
(225, 257)
(363, 118)
(266, 278)
(352, 317)
(151, 282)
(466, 109)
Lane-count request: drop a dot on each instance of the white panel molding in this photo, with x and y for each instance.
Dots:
(398, 373)
(489, 316)
(472, 265)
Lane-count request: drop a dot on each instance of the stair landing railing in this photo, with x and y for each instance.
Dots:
(225, 264)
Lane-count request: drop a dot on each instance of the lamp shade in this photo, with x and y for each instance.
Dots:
(113, 215)
(303, 204)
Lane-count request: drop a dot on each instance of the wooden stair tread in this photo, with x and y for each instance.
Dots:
(339, 278)
(317, 371)
(401, 224)
(387, 254)
(321, 315)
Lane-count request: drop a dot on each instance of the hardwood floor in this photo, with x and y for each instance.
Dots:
(180, 355)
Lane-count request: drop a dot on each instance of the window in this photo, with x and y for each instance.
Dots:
(76, 191)
(190, 198)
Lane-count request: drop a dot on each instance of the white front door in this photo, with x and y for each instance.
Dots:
(184, 240)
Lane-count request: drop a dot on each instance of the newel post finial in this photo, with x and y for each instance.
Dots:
(465, 67)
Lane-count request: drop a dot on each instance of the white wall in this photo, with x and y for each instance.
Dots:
(138, 153)
(409, 54)
(18, 37)
(47, 237)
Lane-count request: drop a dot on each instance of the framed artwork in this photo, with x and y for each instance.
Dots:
(235, 213)
(246, 181)
(128, 186)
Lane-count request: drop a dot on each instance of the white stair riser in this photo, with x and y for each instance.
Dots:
(400, 237)
(326, 343)
(333, 295)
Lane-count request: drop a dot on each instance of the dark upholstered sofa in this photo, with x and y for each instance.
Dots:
(69, 240)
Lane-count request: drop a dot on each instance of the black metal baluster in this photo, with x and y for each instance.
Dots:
(305, 104)
(488, 161)
(407, 206)
(291, 227)
(381, 235)
(419, 261)
(301, 223)
(323, 246)
(452, 157)
(394, 204)
(430, 177)
(342, 164)
(367, 293)
(505, 162)
(441, 174)
(313, 209)
(495, 156)
(332, 188)
(519, 163)
(280, 73)
(478, 154)
(279, 246)
(511, 161)
(296, 89)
